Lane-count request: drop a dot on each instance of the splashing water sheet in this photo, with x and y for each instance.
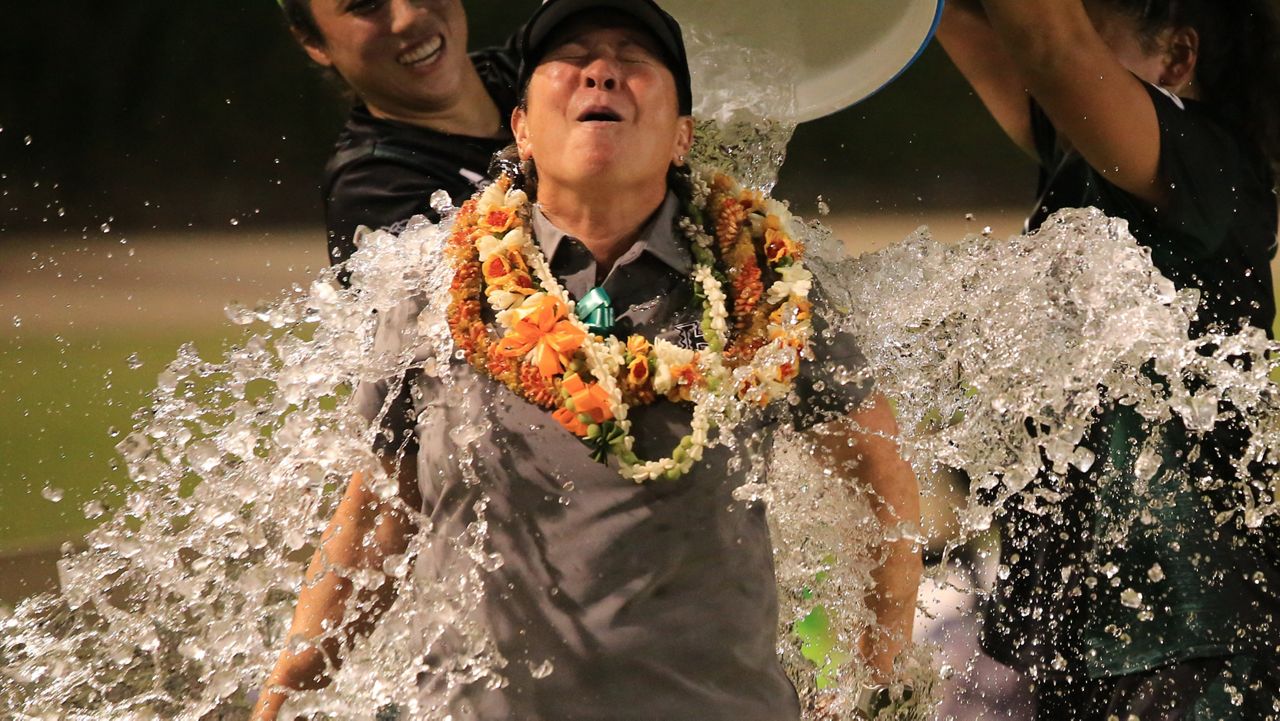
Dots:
(180, 602)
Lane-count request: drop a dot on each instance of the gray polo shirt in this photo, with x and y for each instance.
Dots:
(653, 601)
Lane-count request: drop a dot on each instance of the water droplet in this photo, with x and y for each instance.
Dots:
(94, 509)
(17, 321)
(1155, 573)
(52, 494)
(134, 361)
(28, 140)
(1130, 598)
(235, 221)
(541, 670)
(105, 227)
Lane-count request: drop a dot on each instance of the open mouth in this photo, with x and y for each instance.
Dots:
(423, 53)
(599, 115)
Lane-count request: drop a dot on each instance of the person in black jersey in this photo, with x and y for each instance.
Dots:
(427, 117)
(1165, 113)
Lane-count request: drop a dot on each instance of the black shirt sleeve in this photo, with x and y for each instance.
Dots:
(1203, 164)
(1200, 160)
(375, 192)
(837, 380)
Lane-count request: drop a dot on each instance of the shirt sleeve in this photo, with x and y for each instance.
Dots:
(396, 435)
(378, 193)
(1203, 164)
(1044, 137)
(837, 380)
(1201, 160)
(499, 69)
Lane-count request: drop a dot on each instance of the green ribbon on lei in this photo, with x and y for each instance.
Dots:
(595, 310)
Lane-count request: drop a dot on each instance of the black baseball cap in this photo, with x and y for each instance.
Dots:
(555, 13)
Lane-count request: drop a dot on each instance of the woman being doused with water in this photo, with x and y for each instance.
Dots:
(602, 301)
(1128, 596)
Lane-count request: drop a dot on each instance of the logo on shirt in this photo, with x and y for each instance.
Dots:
(689, 336)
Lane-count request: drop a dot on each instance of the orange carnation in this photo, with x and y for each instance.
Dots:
(498, 221)
(777, 246)
(638, 346)
(638, 370)
(543, 334)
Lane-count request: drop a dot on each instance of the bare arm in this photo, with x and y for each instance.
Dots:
(364, 531)
(1092, 99)
(975, 48)
(895, 497)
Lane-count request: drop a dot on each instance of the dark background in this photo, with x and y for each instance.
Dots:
(204, 114)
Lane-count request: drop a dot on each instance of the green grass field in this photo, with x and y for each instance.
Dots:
(67, 401)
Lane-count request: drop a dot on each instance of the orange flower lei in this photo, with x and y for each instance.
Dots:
(546, 356)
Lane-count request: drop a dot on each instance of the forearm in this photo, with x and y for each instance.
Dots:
(897, 581)
(978, 53)
(895, 498)
(308, 653)
(321, 607)
(1096, 103)
(878, 472)
(362, 534)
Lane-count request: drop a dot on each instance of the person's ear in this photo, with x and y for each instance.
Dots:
(314, 46)
(1182, 52)
(684, 139)
(520, 129)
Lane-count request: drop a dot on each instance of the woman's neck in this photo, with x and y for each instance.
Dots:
(607, 221)
(471, 111)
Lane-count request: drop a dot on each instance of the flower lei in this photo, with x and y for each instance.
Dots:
(543, 353)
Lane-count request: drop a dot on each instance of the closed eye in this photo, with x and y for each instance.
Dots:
(363, 7)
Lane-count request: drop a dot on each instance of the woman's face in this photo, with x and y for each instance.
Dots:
(401, 57)
(602, 107)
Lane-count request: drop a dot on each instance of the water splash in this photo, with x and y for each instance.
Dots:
(745, 99)
(180, 603)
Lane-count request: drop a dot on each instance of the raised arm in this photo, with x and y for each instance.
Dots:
(364, 531)
(971, 43)
(891, 485)
(1094, 102)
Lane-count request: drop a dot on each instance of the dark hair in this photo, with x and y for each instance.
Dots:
(1238, 70)
(298, 14)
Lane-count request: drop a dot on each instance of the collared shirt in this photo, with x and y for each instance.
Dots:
(649, 601)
